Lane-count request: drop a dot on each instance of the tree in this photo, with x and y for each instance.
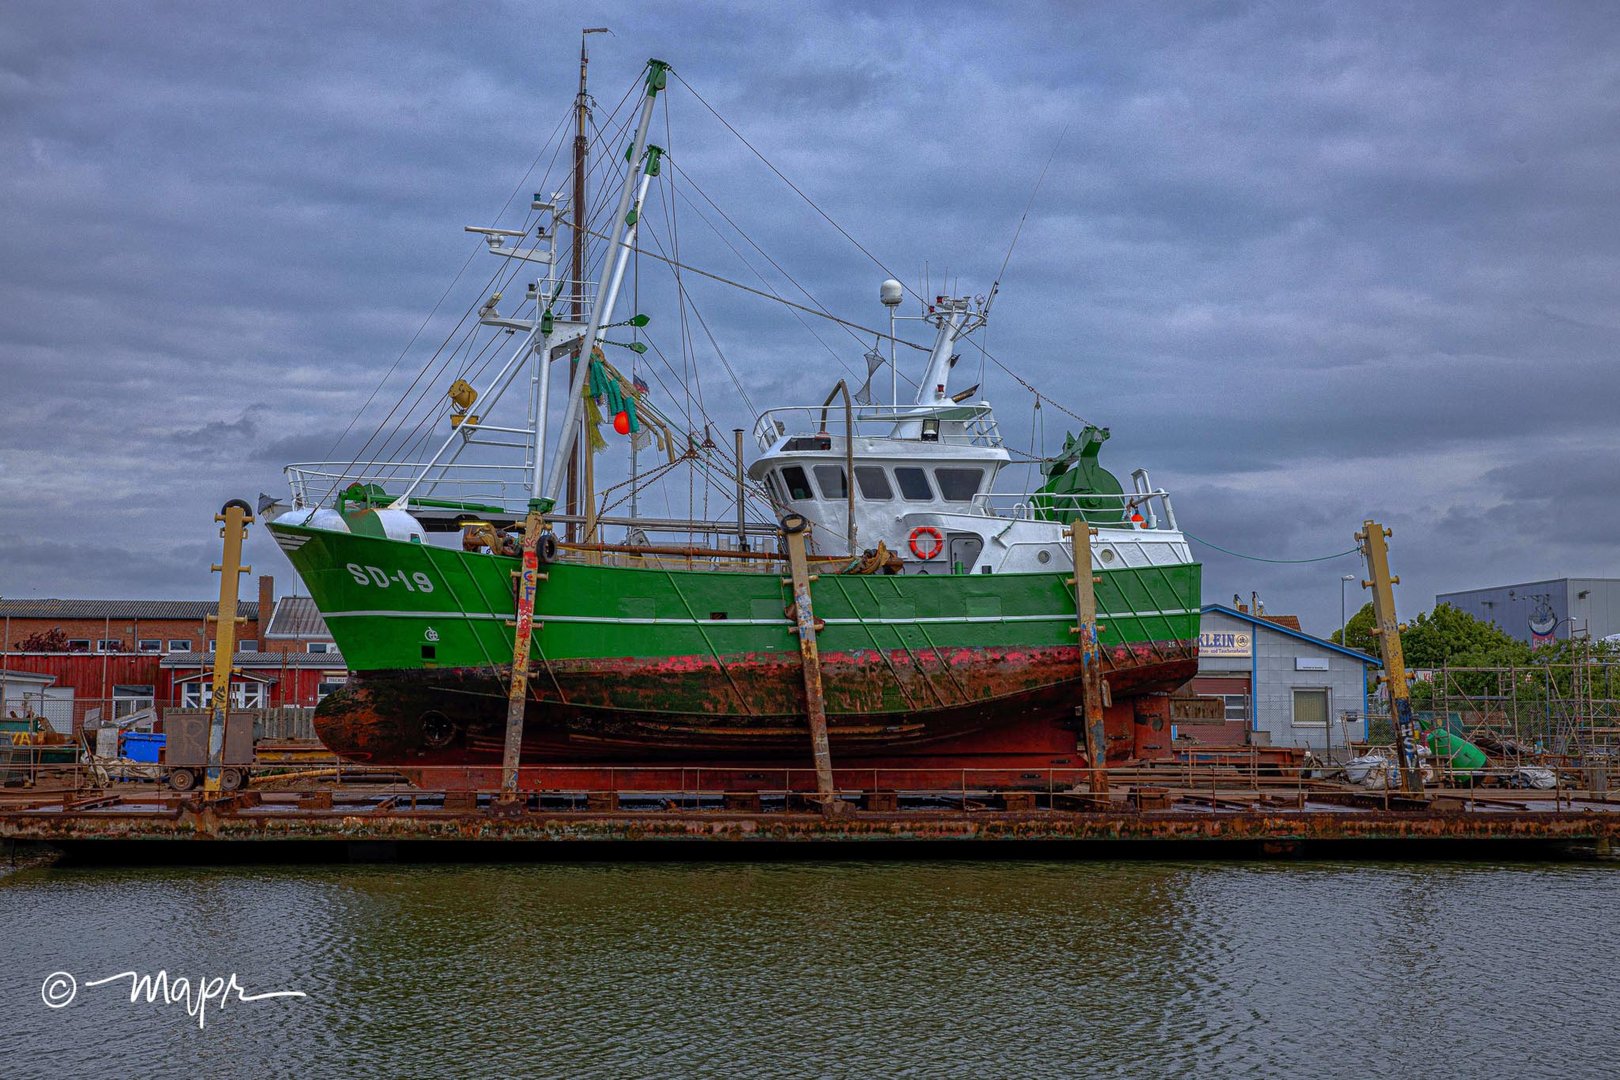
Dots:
(1357, 633)
(52, 640)
(1445, 637)
(1451, 637)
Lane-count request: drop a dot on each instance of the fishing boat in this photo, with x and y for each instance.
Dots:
(942, 609)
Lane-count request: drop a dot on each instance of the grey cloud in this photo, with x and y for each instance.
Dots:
(1310, 262)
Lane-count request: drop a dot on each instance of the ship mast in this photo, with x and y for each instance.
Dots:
(582, 113)
(644, 159)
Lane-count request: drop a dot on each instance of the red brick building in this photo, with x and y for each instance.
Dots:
(108, 658)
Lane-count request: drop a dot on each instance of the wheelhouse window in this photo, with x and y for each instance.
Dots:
(958, 485)
(1311, 707)
(830, 478)
(914, 486)
(874, 483)
(774, 488)
(798, 485)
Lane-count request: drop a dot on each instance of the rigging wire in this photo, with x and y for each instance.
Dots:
(863, 250)
(1258, 558)
(778, 267)
(690, 269)
(740, 138)
(448, 288)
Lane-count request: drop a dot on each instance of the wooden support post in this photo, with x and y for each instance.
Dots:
(1091, 680)
(517, 694)
(1373, 540)
(804, 617)
(235, 516)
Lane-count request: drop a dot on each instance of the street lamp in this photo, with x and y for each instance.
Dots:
(1344, 626)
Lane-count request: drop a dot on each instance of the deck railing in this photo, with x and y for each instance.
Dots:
(959, 425)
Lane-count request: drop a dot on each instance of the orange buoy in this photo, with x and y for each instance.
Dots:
(933, 534)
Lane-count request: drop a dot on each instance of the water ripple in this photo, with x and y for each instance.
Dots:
(836, 969)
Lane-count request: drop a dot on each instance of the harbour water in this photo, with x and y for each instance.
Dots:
(823, 968)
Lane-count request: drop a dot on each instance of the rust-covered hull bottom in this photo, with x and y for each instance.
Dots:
(634, 720)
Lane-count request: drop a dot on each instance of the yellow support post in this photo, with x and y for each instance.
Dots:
(236, 516)
(1373, 539)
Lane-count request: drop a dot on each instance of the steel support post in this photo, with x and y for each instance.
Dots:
(1091, 678)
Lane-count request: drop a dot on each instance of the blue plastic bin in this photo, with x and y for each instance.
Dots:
(143, 746)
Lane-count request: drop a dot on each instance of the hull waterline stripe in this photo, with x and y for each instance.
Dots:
(626, 621)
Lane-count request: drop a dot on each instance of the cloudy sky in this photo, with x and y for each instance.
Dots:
(1310, 262)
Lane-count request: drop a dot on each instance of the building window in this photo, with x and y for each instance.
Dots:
(318, 647)
(958, 485)
(913, 484)
(110, 645)
(179, 644)
(130, 699)
(831, 479)
(328, 686)
(149, 644)
(1237, 706)
(798, 485)
(78, 644)
(1311, 708)
(247, 645)
(199, 695)
(874, 483)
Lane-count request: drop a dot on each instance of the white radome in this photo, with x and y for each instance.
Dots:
(891, 292)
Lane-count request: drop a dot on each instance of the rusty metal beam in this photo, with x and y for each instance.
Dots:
(272, 823)
(517, 692)
(804, 617)
(1091, 679)
(235, 516)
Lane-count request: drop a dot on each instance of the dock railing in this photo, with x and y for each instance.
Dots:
(1200, 779)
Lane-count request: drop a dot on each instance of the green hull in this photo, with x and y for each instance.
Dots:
(630, 659)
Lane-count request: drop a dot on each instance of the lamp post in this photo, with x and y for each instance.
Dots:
(1344, 625)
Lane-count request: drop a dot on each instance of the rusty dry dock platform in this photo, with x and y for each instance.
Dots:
(270, 825)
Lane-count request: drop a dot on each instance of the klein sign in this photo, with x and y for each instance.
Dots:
(1225, 643)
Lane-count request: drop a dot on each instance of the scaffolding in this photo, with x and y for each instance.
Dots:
(1565, 708)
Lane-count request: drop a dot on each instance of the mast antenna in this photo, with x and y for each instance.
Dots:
(995, 286)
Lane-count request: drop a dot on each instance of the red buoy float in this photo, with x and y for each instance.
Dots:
(931, 533)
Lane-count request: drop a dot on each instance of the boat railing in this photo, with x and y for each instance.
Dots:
(958, 425)
(1147, 509)
(467, 486)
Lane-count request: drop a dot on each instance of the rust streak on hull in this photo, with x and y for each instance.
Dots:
(685, 709)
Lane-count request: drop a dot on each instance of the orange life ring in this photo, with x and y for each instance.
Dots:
(927, 530)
